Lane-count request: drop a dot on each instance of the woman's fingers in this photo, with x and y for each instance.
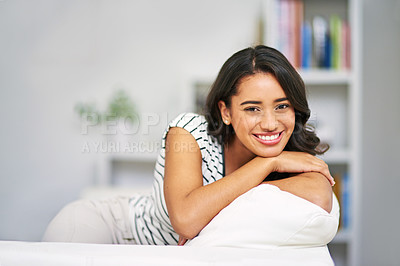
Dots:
(325, 171)
(293, 162)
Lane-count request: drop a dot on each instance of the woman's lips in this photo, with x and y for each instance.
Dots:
(269, 139)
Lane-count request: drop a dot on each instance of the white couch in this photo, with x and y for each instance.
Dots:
(278, 229)
(71, 254)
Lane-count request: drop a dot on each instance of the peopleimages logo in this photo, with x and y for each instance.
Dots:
(112, 125)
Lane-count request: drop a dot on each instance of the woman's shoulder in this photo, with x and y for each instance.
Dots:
(189, 122)
(196, 125)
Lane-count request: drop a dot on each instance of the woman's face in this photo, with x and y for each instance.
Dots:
(261, 115)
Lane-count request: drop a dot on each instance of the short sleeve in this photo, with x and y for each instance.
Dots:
(195, 124)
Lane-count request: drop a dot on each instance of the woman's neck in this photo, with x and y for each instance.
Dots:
(236, 155)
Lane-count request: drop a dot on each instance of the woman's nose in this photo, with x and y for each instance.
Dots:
(268, 122)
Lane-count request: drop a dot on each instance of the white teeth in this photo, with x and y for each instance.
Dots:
(268, 137)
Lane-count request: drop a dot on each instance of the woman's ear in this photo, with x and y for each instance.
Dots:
(225, 112)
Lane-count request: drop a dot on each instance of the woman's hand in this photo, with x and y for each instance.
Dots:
(182, 240)
(300, 162)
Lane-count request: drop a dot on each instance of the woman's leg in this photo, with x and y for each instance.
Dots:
(92, 221)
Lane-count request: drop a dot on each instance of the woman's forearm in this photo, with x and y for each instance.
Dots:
(191, 206)
(311, 186)
(202, 204)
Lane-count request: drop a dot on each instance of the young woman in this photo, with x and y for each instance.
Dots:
(254, 131)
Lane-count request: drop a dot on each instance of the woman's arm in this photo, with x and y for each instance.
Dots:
(314, 186)
(311, 186)
(191, 206)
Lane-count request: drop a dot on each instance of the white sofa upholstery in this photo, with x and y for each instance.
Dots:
(66, 254)
(227, 240)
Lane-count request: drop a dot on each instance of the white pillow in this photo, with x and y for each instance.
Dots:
(267, 217)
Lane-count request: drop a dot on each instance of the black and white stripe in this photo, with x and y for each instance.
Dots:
(149, 215)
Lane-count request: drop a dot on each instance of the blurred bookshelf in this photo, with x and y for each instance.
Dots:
(320, 38)
(325, 76)
(332, 82)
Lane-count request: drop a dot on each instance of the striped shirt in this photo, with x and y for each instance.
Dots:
(148, 214)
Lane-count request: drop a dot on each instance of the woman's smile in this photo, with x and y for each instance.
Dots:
(269, 138)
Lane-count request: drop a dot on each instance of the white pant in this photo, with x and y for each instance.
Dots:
(92, 221)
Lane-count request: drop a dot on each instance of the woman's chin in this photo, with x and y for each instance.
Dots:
(269, 154)
(269, 150)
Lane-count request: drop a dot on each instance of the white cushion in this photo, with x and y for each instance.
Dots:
(267, 218)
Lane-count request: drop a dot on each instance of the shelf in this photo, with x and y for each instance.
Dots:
(325, 76)
(342, 237)
(337, 156)
(133, 157)
(143, 161)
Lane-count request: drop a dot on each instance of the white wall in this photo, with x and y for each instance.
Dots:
(380, 219)
(54, 54)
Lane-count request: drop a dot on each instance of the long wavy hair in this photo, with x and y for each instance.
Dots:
(265, 60)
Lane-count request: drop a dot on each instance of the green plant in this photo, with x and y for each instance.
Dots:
(120, 106)
(88, 111)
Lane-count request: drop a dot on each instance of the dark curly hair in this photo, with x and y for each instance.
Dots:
(266, 60)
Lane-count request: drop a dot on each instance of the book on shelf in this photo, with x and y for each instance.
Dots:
(336, 41)
(319, 43)
(346, 48)
(306, 45)
(345, 201)
(341, 190)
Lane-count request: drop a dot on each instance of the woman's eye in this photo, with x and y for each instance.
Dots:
(282, 106)
(251, 109)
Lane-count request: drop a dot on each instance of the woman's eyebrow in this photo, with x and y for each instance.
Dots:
(259, 102)
(281, 99)
(251, 102)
